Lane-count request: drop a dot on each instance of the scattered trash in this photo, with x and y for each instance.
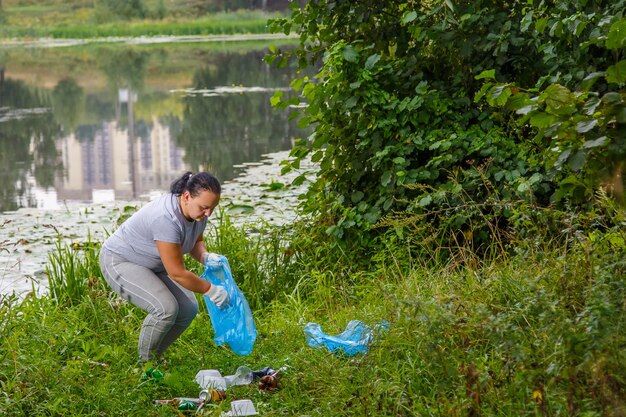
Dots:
(152, 374)
(211, 379)
(256, 375)
(242, 376)
(267, 377)
(178, 400)
(212, 395)
(233, 324)
(269, 382)
(187, 403)
(241, 408)
(183, 403)
(355, 339)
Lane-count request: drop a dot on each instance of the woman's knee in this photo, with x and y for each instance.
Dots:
(164, 308)
(187, 311)
(181, 313)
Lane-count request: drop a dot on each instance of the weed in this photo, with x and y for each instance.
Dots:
(73, 270)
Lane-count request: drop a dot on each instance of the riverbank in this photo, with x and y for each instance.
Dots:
(260, 193)
(241, 22)
(140, 40)
(539, 332)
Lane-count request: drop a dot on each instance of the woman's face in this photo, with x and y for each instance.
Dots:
(198, 207)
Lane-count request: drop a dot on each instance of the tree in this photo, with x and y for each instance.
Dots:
(397, 126)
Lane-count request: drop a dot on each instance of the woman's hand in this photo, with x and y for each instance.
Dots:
(218, 295)
(206, 256)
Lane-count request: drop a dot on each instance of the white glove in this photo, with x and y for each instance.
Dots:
(218, 295)
(206, 256)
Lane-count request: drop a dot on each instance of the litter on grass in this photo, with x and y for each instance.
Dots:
(355, 339)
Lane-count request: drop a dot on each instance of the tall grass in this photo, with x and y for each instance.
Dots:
(73, 271)
(539, 332)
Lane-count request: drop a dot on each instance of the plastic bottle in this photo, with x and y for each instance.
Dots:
(182, 403)
(243, 376)
(187, 403)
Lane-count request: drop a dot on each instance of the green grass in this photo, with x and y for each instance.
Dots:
(56, 22)
(220, 25)
(64, 10)
(538, 332)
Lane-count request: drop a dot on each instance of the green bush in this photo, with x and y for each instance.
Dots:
(399, 129)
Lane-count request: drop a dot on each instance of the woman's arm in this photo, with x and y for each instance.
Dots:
(172, 256)
(198, 250)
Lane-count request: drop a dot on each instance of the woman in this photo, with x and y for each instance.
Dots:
(143, 260)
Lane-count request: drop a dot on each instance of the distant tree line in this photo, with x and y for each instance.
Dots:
(136, 9)
(203, 6)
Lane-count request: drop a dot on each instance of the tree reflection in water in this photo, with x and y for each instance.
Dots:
(27, 143)
(221, 131)
(109, 118)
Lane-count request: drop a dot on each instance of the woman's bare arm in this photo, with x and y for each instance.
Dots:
(172, 257)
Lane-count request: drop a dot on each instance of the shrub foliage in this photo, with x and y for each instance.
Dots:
(449, 110)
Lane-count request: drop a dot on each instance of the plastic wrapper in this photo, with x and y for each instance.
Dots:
(355, 339)
(233, 323)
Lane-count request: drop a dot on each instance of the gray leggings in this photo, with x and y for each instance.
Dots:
(170, 307)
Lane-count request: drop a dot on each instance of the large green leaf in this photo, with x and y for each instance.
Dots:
(499, 95)
(585, 126)
(385, 180)
(409, 17)
(542, 120)
(612, 98)
(601, 141)
(518, 101)
(559, 100)
(590, 79)
(488, 74)
(577, 161)
(350, 54)
(617, 73)
(357, 196)
(616, 38)
(371, 61)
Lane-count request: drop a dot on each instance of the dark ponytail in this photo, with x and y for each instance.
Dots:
(195, 184)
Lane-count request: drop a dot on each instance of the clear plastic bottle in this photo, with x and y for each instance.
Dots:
(243, 376)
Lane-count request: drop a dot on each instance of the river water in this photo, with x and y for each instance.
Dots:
(260, 192)
(88, 129)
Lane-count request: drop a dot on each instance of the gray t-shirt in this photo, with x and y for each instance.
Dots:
(160, 219)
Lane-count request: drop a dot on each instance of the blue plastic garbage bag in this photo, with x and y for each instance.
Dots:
(233, 323)
(356, 338)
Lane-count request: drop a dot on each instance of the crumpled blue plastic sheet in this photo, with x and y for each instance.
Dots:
(233, 323)
(355, 339)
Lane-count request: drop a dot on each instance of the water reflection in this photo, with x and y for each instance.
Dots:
(98, 123)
